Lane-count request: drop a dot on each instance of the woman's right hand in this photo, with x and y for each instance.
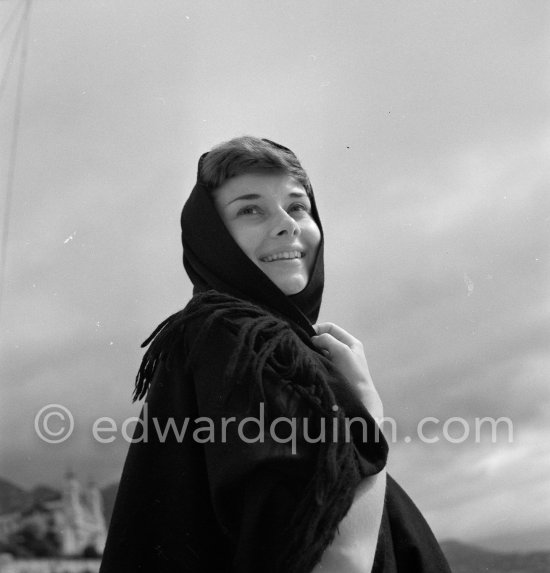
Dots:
(347, 354)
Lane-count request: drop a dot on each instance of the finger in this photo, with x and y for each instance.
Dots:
(337, 332)
(327, 342)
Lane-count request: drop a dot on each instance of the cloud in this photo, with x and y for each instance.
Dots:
(425, 131)
(485, 487)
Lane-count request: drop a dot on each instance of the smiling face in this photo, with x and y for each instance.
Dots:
(269, 217)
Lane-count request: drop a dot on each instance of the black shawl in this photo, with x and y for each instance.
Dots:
(210, 499)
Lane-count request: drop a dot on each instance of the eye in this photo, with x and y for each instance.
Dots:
(249, 210)
(299, 207)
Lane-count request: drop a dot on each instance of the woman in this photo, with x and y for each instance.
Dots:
(249, 462)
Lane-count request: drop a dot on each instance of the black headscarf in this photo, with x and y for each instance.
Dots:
(213, 260)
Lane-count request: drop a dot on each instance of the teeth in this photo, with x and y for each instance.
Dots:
(284, 255)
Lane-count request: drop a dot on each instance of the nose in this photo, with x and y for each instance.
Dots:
(285, 225)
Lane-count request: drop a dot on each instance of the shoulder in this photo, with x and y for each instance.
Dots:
(222, 318)
(224, 345)
(207, 313)
(213, 334)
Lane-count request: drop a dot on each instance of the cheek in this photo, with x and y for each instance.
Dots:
(312, 235)
(247, 239)
(314, 239)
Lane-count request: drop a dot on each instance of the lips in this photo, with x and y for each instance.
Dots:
(282, 255)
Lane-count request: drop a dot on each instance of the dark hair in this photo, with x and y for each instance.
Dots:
(249, 154)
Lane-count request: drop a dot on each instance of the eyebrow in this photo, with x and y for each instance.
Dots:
(254, 196)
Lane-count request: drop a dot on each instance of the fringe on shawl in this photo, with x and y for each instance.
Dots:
(263, 339)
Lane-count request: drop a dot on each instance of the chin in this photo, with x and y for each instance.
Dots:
(292, 286)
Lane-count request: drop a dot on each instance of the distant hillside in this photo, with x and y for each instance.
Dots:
(465, 558)
(43, 493)
(14, 498)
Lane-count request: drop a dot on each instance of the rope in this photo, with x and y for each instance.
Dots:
(12, 55)
(13, 148)
(10, 19)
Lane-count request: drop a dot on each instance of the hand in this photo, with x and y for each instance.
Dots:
(347, 355)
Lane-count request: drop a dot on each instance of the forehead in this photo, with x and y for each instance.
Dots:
(259, 185)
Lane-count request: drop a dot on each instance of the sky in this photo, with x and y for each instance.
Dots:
(425, 130)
